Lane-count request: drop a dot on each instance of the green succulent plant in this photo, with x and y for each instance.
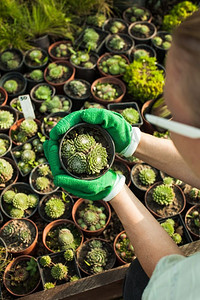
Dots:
(77, 163)
(45, 261)
(33, 200)
(96, 20)
(90, 38)
(6, 119)
(74, 278)
(131, 115)
(140, 53)
(68, 149)
(114, 65)
(16, 213)
(25, 236)
(194, 193)
(97, 257)
(56, 71)
(63, 50)
(77, 88)
(147, 176)
(59, 271)
(29, 127)
(12, 64)
(20, 201)
(54, 208)
(136, 13)
(141, 29)
(157, 40)
(116, 43)
(4, 145)
(97, 159)
(44, 170)
(49, 285)
(117, 27)
(20, 275)
(36, 75)
(66, 238)
(168, 227)
(28, 156)
(96, 244)
(11, 86)
(69, 255)
(163, 194)
(6, 56)
(35, 55)
(43, 92)
(83, 142)
(8, 196)
(6, 171)
(106, 91)
(177, 238)
(42, 183)
(51, 105)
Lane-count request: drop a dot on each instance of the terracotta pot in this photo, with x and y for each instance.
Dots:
(55, 224)
(177, 191)
(11, 265)
(146, 107)
(105, 57)
(120, 260)
(53, 46)
(123, 166)
(194, 234)
(32, 93)
(59, 86)
(12, 111)
(144, 40)
(89, 232)
(16, 126)
(112, 80)
(127, 19)
(14, 176)
(5, 95)
(29, 249)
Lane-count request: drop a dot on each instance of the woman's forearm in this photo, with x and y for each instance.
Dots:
(149, 239)
(163, 155)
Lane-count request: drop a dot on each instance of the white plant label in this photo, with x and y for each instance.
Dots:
(27, 107)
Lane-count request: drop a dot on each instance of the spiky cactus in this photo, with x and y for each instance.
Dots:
(28, 156)
(33, 200)
(11, 86)
(117, 43)
(97, 159)
(44, 170)
(43, 92)
(131, 115)
(66, 238)
(6, 171)
(6, 119)
(68, 148)
(42, 183)
(77, 163)
(20, 201)
(147, 176)
(49, 285)
(45, 261)
(8, 196)
(54, 208)
(59, 271)
(16, 213)
(36, 75)
(69, 255)
(163, 194)
(77, 88)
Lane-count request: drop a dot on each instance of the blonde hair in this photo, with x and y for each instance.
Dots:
(186, 41)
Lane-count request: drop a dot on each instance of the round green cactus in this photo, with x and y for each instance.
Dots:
(49, 285)
(147, 176)
(8, 196)
(163, 194)
(42, 183)
(69, 255)
(59, 271)
(20, 201)
(12, 64)
(45, 261)
(68, 149)
(6, 119)
(84, 142)
(117, 43)
(44, 170)
(91, 217)
(6, 56)
(33, 200)
(36, 75)
(25, 236)
(56, 73)
(97, 257)
(28, 156)
(6, 171)
(77, 163)
(29, 127)
(166, 45)
(97, 159)
(43, 92)
(65, 238)
(11, 86)
(131, 115)
(157, 41)
(77, 88)
(35, 55)
(54, 208)
(16, 213)
(142, 29)
(140, 53)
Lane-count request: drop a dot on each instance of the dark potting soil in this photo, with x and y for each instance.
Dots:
(166, 210)
(2, 98)
(120, 168)
(135, 175)
(65, 76)
(189, 200)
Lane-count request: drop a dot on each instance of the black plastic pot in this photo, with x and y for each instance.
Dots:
(22, 82)
(19, 54)
(118, 107)
(77, 101)
(108, 23)
(103, 137)
(42, 42)
(6, 137)
(127, 48)
(148, 48)
(142, 40)
(12, 111)
(61, 114)
(161, 52)
(29, 66)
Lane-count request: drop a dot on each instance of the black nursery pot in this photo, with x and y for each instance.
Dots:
(13, 112)
(108, 23)
(61, 114)
(140, 39)
(103, 137)
(148, 48)
(22, 83)
(17, 55)
(127, 48)
(41, 42)
(30, 67)
(161, 53)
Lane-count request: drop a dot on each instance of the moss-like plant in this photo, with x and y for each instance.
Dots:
(6, 171)
(6, 119)
(145, 81)
(163, 194)
(11, 86)
(77, 88)
(116, 43)
(43, 92)
(42, 183)
(147, 176)
(90, 38)
(36, 75)
(131, 115)
(45, 261)
(114, 65)
(20, 201)
(59, 271)
(106, 91)
(96, 20)
(54, 208)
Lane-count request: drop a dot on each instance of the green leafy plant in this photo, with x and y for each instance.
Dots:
(116, 42)
(36, 75)
(32, 266)
(136, 13)
(54, 208)
(131, 115)
(43, 92)
(169, 227)
(90, 38)
(163, 194)
(113, 65)
(124, 248)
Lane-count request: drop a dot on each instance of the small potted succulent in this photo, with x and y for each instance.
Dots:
(50, 121)
(21, 276)
(85, 64)
(58, 73)
(141, 50)
(14, 83)
(91, 217)
(122, 168)
(192, 194)
(41, 180)
(129, 110)
(23, 129)
(60, 50)
(78, 90)
(18, 201)
(147, 77)
(34, 77)
(119, 43)
(28, 155)
(137, 13)
(5, 144)
(58, 103)
(95, 256)
(42, 92)
(62, 234)
(143, 176)
(3, 96)
(171, 180)
(88, 104)
(108, 89)
(36, 58)
(96, 20)
(7, 118)
(115, 25)
(55, 206)
(142, 32)
(86, 151)
(20, 236)
(11, 60)
(165, 200)
(112, 64)
(176, 228)
(161, 42)
(8, 172)
(192, 221)
(123, 249)
(58, 268)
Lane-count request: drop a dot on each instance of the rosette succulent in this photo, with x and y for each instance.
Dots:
(28, 156)
(140, 53)
(97, 257)
(106, 91)
(29, 127)
(136, 13)
(117, 43)
(131, 115)
(4, 145)
(56, 71)
(45, 261)
(141, 29)
(63, 50)
(43, 92)
(35, 55)
(66, 238)
(147, 176)
(44, 170)
(69, 255)
(6, 119)
(96, 159)
(33, 200)
(20, 201)
(77, 88)
(25, 236)
(42, 183)
(96, 20)
(68, 148)
(90, 38)
(84, 142)
(163, 42)
(36, 75)
(8, 196)
(59, 271)
(11, 86)
(16, 213)
(6, 171)
(77, 163)
(82, 58)
(117, 27)
(163, 194)
(114, 65)
(54, 208)
(7, 56)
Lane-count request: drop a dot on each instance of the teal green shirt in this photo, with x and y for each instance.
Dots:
(175, 278)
